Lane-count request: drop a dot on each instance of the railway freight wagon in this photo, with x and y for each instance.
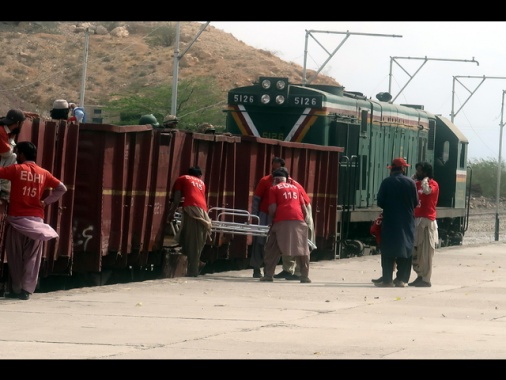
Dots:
(372, 133)
(112, 221)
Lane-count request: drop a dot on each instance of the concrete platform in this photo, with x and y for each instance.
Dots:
(340, 315)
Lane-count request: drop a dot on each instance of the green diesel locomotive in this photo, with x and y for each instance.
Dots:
(372, 133)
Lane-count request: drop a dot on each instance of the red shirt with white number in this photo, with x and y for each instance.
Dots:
(288, 201)
(301, 189)
(193, 189)
(28, 182)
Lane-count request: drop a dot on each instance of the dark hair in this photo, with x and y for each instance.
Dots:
(284, 170)
(280, 173)
(279, 160)
(28, 149)
(195, 171)
(426, 168)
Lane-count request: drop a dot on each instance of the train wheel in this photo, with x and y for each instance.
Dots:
(456, 238)
(354, 248)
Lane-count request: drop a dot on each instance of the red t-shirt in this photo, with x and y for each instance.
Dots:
(262, 191)
(28, 182)
(193, 189)
(301, 189)
(5, 146)
(375, 229)
(288, 200)
(427, 202)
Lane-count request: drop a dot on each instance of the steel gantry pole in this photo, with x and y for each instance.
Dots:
(471, 93)
(424, 59)
(310, 33)
(177, 58)
(85, 65)
(499, 166)
(175, 73)
(499, 171)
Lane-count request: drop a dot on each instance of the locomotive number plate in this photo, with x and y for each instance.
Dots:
(305, 101)
(241, 99)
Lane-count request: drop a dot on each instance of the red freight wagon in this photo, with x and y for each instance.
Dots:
(119, 179)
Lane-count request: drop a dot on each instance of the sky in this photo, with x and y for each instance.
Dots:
(444, 66)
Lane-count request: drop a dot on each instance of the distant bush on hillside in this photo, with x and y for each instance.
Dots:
(483, 177)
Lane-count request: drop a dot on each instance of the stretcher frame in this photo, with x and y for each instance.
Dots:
(248, 225)
(242, 223)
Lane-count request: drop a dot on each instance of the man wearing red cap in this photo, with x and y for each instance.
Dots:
(398, 197)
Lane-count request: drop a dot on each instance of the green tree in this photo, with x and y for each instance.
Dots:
(484, 177)
(199, 100)
(164, 35)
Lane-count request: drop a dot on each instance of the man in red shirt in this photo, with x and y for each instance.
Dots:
(426, 233)
(26, 230)
(288, 234)
(196, 224)
(260, 207)
(10, 126)
(291, 271)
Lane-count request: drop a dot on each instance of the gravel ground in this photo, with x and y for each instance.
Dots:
(481, 226)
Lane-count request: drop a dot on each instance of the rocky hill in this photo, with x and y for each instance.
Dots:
(43, 61)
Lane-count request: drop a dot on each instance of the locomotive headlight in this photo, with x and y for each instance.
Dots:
(266, 84)
(280, 84)
(280, 99)
(265, 99)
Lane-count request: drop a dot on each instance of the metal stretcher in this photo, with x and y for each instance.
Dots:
(240, 222)
(243, 222)
(247, 224)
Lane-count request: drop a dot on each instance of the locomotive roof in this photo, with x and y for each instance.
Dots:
(455, 130)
